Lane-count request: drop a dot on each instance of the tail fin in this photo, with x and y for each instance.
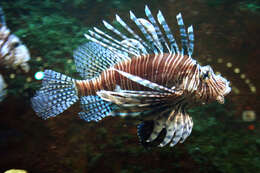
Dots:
(58, 93)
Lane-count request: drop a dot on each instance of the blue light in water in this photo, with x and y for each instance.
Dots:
(39, 75)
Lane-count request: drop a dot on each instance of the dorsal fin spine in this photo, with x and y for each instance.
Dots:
(191, 40)
(108, 42)
(184, 36)
(157, 29)
(143, 30)
(120, 21)
(111, 28)
(121, 56)
(168, 32)
(132, 49)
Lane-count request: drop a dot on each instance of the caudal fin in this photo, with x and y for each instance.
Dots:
(58, 93)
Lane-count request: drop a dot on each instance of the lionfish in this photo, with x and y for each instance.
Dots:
(12, 52)
(147, 77)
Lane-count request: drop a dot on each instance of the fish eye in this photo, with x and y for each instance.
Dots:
(206, 72)
(205, 75)
(16, 44)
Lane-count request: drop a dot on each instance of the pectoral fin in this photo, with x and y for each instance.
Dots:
(134, 103)
(178, 125)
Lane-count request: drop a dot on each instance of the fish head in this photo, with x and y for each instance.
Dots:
(213, 87)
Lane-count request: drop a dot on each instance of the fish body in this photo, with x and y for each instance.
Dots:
(155, 68)
(149, 78)
(13, 53)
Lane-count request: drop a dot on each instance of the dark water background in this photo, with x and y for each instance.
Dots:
(226, 31)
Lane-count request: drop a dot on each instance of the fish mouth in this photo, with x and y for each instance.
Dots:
(220, 99)
(227, 90)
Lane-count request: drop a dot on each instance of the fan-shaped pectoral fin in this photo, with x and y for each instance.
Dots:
(183, 124)
(137, 102)
(178, 125)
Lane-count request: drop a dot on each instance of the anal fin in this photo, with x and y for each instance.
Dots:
(94, 108)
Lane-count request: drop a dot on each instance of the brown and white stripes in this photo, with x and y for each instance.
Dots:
(163, 69)
(12, 52)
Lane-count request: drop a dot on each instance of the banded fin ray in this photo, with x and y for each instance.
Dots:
(178, 125)
(124, 37)
(169, 35)
(161, 40)
(184, 36)
(94, 108)
(139, 39)
(92, 58)
(107, 44)
(153, 42)
(128, 98)
(191, 40)
(127, 48)
(119, 54)
(113, 29)
(136, 103)
(112, 42)
(148, 37)
(155, 128)
(57, 94)
(116, 46)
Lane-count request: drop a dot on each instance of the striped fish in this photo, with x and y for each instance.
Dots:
(12, 52)
(146, 76)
